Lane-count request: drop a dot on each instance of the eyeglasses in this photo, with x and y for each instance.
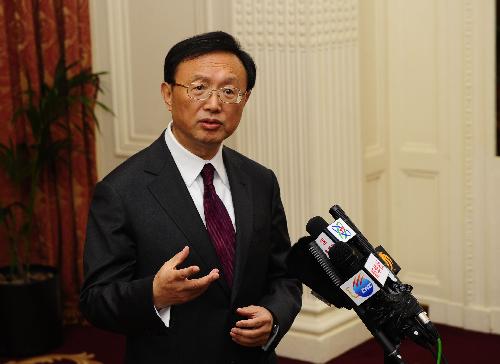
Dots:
(201, 92)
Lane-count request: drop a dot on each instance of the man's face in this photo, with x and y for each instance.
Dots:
(201, 126)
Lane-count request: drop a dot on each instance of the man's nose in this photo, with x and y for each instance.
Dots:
(213, 103)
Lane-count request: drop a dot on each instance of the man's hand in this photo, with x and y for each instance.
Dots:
(171, 285)
(255, 330)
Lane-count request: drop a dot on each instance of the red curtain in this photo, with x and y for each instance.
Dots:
(34, 34)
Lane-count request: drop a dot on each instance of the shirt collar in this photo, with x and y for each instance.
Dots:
(189, 164)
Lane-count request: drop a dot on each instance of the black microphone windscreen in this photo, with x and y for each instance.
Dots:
(303, 265)
(297, 260)
(316, 225)
(344, 260)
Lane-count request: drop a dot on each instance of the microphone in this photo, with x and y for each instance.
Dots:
(393, 307)
(311, 266)
(340, 265)
(309, 261)
(362, 243)
(335, 234)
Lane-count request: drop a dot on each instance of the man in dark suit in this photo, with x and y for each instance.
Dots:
(186, 240)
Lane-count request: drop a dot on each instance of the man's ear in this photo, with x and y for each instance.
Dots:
(166, 91)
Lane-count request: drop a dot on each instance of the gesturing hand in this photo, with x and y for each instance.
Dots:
(172, 286)
(255, 330)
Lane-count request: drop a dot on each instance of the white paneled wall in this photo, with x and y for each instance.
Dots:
(302, 118)
(427, 114)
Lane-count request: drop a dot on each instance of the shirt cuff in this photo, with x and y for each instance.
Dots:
(164, 315)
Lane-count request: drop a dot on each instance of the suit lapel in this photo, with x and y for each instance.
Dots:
(243, 210)
(172, 194)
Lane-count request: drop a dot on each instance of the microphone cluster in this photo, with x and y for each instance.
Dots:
(343, 269)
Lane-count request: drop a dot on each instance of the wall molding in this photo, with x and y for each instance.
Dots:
(468, 119)
(422, 279)
(295, 24)
(318, 324)
(374, 176)
(320, 348)
(127, 140)
(472, 317)
(292, 111)
(420, 173)
(419, 148)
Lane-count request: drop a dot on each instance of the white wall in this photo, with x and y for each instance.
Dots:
(382, 106)
(427, 81)
(130, 40)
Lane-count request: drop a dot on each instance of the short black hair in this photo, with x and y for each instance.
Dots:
(205, 43)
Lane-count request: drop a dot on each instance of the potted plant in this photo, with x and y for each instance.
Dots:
(30, 304)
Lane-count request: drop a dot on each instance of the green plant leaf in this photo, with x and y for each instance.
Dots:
(47, 112)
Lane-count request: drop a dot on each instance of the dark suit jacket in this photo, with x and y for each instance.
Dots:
(141, 215)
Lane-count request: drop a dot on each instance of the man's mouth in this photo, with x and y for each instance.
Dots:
(210, 124)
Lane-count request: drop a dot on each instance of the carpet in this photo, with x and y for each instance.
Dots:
(81, 345)
(82, 358)
(459, 346)
(89, 345)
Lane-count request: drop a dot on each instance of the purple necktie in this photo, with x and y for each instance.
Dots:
(219, 225)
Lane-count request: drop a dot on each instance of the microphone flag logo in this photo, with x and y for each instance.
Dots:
(377, 270)
(341, 230)
(324, 242)
(360, 287)
(388, 260)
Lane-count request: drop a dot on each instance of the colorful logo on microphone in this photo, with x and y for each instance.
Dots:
(360, 287)
(341, 230)
(324, 242)
(376, 269)
(387, 260)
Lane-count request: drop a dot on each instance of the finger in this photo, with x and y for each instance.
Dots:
(251, 323)
(248, 341)
(179, 257)
(213, 275)
(185, 273)
(209, 278)
(248, 310)
(205, 281)
(249, 333)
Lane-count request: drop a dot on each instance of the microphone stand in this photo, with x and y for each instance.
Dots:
(391, 351)
(393, 360)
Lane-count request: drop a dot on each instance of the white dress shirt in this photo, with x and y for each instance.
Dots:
(190, 166)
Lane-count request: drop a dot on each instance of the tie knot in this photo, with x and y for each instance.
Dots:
(208, 174)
